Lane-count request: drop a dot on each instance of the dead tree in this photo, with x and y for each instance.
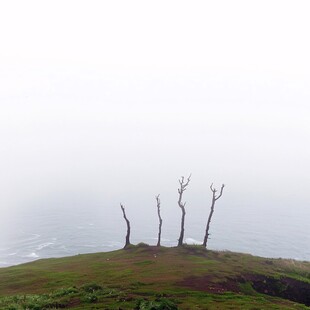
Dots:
(181, 190)
(214, 199)
(160, 220)
(127, 242)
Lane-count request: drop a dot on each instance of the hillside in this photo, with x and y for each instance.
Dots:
(146, 277)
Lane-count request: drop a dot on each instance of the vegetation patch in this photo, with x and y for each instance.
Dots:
(62, 298)
(151, 277)
(144, 263)
(157, 304)
(208, 284)
(284, 287)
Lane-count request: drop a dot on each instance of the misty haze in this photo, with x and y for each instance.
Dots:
(92, 122)
(154, 155)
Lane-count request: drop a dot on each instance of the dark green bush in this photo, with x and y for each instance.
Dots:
(92, 287)
(158, 304)
(142, 245)
(66, 291)
(89, 298)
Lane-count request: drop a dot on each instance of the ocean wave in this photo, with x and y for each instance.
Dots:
(44, 245)
(192, 241)
(30, 239)
(32, 255)
(90, 245)
(164, 239)
(113, 244)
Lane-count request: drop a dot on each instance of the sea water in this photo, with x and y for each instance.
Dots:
(39, 234)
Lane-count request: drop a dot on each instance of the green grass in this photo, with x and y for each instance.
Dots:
(145, 277)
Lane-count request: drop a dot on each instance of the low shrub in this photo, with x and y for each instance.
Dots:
(66, 291)
(142, 245)
(89, 298)
(92, 287)
(158, 304)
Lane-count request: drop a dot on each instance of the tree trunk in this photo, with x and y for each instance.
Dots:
(160, 220)
(180, 240)
(127, 242)
(214, 199)
(181, 190)
(205, 240)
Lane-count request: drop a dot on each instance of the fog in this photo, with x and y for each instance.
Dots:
(103, 103)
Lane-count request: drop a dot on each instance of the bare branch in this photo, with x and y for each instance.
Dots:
(188, 180)
(221, 192)
(123, 209)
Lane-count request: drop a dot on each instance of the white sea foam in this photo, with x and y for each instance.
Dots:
(32, 255)
(192, 241)
(44, 245)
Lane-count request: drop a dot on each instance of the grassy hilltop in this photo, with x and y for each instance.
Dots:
(147, 277)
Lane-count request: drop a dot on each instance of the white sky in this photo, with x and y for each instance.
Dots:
(118, 99)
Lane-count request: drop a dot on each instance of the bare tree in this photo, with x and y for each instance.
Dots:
(181, 190)
(127, 243)
(160, 220)
(214, 199)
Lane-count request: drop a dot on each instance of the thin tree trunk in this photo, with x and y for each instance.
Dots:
(214, 199)
(160, 220)
(127, 242)
(205, 240)
(181, 190)
(180, 240)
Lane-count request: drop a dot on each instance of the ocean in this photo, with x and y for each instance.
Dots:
(55, 233)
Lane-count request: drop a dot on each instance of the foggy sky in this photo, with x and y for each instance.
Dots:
(109, 102)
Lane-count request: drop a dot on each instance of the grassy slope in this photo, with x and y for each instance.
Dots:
(191, 276)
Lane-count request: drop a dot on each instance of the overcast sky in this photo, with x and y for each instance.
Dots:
(115, 100)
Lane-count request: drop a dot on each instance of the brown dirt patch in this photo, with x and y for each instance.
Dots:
(284, 287)
(207, 284)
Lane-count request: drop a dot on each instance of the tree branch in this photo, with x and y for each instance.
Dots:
(221, 192)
